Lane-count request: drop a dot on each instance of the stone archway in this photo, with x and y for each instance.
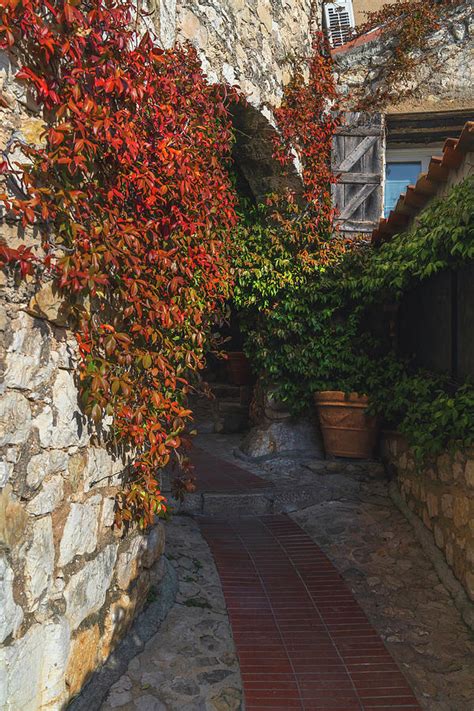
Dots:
(253, 154)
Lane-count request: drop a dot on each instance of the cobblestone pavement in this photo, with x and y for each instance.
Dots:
(190, 664)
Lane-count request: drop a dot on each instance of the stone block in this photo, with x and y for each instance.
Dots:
(13, 519)
(449, 553)
(445, 470)
(107, 516)
(154, 545)
(80, 531)
(427, 520)
(45, 464)
(11, 614)
(143, 552)
(439, 537)
(285, 438)
(86, 591)
(458, 465)
(33, 669)
(447, 505)
(50, 305)
(15, 419)
(6, 469)
(77, 466)
(469, 473)
(39, 561)
(128, 564)
(83, 658)
(49, 497)
(99, 468)
(470, 584)
(29, 361)
(460, 511)
(118, 619)
(432, 503)
(62, 425)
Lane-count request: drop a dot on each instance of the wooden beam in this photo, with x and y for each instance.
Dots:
(356, 225)
(360, 178)
(357, 200)
(358, 131)
(356, 154)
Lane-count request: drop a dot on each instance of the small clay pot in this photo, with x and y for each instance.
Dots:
(238, 368)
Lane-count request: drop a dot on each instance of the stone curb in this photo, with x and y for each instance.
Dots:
(444, 572)
(143, 628)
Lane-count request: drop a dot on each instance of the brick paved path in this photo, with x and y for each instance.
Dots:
(302, 640)
(221, 477)
(299, 638)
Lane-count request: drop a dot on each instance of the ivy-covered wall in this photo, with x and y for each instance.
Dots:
(69, 585)
(444, 76)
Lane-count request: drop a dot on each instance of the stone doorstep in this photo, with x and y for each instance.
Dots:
(235, 505)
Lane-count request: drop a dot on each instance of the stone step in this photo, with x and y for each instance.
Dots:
(227, 505)
(226, 392)
(231, 418)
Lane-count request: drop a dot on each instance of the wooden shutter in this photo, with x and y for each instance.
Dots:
(358, 160)
(339, 21)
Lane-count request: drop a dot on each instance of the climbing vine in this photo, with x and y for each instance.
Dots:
(131, 195)
(285, 245)
(406, 26)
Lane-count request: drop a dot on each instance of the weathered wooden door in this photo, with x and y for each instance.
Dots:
(358, 158)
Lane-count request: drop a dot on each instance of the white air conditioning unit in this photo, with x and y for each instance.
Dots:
(339, 21)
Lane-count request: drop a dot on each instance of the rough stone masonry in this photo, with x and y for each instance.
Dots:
(69, 586)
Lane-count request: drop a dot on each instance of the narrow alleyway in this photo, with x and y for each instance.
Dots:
(317, 596)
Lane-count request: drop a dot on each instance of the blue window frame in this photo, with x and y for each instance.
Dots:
(398, 176)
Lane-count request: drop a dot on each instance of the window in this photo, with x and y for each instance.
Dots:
(398, 176)
(339, 21)
(402, 168)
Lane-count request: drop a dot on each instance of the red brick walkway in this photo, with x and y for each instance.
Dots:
(303, 641)
(221, 477)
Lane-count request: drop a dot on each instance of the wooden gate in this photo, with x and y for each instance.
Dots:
(358, 158)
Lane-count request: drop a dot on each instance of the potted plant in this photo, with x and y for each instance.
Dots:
(238, 368)
(347, 429)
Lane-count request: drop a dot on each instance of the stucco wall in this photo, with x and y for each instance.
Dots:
(362, 7)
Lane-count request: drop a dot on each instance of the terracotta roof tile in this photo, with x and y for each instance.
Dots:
(357, 42)
(427, 185)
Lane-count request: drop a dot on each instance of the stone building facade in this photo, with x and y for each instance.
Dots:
(69, 585)
(444, 76)
(250, 43)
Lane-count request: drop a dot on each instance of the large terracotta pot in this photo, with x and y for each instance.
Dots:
(238, 368)
(347, 430)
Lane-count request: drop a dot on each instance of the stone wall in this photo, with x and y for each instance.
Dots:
(250, 43)
(442, 496)
(69, 586)
(444, 78)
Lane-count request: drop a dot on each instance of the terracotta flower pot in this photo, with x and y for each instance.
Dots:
(238, 368)
(347, 430)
